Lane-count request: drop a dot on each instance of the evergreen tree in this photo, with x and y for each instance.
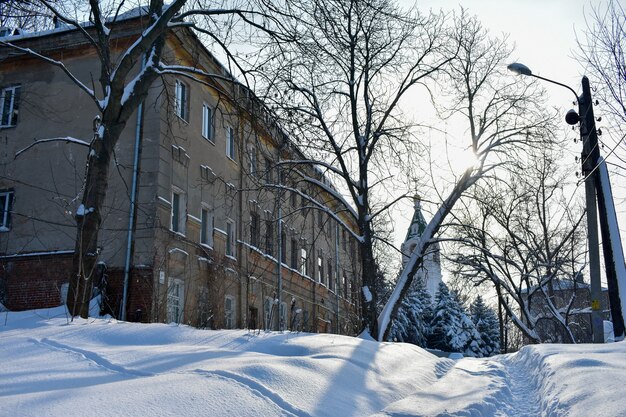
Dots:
(451, 328)
(486, 323)
(412, 325)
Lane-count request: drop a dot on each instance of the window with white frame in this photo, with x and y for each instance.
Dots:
(230, 143)
(230, 238)
(269, 237)
(175, 300)
(9, 105)
(206, 226)
(207, 122)
(283, 247)
(229, 312)
(283, 316)
(304, 261)
(294, 254)
(320, 267)
(6, 206)
(253, 162)
(268, 317)
(268, 171)
(178, 212)
(255, 229)
(330, 274)
(182, 100)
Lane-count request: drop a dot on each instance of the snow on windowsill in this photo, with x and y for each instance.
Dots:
(194, 218)
(163, 200)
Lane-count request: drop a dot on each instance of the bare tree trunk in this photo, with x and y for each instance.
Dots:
(89, 219)
(369, 275)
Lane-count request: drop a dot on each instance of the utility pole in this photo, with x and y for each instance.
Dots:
(594, 169)
(590, 157)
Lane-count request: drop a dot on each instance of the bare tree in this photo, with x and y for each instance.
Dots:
(338, 90)
(503, 116)
(602, 49)
(124, 80)
(521, 235)
(17, 16)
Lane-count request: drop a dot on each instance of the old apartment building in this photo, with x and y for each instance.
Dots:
(202, 220)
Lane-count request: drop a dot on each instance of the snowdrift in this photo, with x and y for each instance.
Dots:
(101, 367)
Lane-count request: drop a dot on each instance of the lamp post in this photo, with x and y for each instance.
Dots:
(590, 157)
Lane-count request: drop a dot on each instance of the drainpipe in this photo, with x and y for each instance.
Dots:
(279, 229)
(133, 208)
(337, 277)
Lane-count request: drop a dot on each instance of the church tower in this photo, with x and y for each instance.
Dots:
(430, 272)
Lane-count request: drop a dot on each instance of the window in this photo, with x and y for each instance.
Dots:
(304, 262)
(304, 201)
(267, 313)
(330, 274)
(206, 227)
(294, 198)
(352, 251)
(345, 284)
(268, 171)
(178, 212)
(320, 267)
(230, 238)
(283, 316)
(229, 312)
(175, 300)
(269, 237)
(9, 106)
(255, 224)
(329, 227)
(283, 247)
(207, 122)
(294, 253)
(6, 206)
(253, 161)
(230, 143)
(182, 100)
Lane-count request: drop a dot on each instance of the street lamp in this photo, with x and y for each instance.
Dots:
(590, 158)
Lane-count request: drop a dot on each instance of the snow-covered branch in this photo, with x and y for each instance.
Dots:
(66, 139)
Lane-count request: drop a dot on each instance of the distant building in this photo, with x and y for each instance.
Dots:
(572, 298)
(211, 215)
(430, 272)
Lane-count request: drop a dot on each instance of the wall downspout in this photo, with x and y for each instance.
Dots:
(133, 209)
(337, 327)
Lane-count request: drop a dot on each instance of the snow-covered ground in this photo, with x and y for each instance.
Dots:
(99, 367)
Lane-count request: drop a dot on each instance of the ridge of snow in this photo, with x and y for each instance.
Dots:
(91, 365)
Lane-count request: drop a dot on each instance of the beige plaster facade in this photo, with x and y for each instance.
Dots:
(205, 232)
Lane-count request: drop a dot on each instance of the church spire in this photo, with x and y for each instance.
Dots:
(418, 223)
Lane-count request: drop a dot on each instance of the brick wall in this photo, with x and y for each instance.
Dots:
(29, 282)
(139, 304)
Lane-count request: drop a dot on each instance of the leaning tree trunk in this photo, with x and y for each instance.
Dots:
(416, 259)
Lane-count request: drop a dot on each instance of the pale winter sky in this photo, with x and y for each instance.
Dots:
(544, 33)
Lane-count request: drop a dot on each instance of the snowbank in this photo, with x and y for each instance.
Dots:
(101, 367)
